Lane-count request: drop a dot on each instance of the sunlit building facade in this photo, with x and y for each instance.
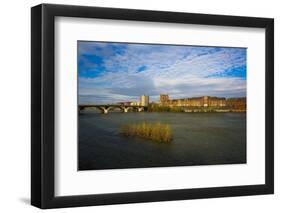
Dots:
(144, 100)
(204, 101)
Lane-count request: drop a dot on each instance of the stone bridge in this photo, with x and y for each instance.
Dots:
(107, 107)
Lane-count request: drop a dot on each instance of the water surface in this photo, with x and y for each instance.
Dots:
(198, 139)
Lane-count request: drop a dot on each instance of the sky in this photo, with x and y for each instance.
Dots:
(113, 72)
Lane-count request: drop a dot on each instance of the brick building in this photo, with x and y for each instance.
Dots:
(204, 101)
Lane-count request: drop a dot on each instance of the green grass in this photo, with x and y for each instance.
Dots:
(157, 132)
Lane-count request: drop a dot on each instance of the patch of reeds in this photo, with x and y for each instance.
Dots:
(154, 131)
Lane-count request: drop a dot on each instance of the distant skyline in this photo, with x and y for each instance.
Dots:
(114, 72)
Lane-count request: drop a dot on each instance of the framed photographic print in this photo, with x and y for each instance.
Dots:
(139, 106)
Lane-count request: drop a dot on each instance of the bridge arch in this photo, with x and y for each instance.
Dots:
(106, 108)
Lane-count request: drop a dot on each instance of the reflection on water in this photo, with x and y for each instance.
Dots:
(198, 139)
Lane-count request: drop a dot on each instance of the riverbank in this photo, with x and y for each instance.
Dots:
(157, 108)
(170, 109)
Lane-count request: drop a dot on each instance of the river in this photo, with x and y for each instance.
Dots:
(198, 139)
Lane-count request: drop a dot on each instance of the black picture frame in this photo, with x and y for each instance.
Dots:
(43, 110)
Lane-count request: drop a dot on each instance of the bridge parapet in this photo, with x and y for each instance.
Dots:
(106, 108)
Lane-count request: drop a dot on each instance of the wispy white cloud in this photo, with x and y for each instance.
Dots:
(180, 71)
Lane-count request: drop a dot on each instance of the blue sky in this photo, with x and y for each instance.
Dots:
(113, 72)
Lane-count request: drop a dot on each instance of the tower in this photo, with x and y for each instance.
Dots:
(144, 100)
(164, 98)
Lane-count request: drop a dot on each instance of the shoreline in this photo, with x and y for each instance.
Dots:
(178, 111)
